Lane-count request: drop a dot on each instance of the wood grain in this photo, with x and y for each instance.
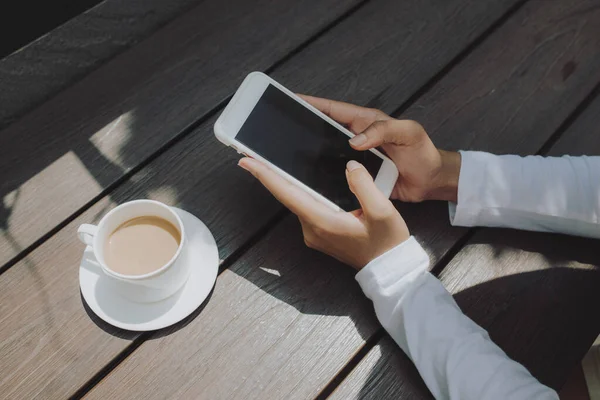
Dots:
(381, 56)
(535, 293)
(199, 175)
(524, 275)
(52, 62)
(49, 346)
(384, 373)
(492, 102)
(281, 322)
(504, 99)
(26, 26)
(429, 225)
(509, 99)
(45, 334)
(582, 137)
(66, 152)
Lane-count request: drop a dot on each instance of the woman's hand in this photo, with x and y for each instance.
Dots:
(354, 238)
(425, 173)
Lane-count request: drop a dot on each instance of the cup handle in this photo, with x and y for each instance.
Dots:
(86, 233)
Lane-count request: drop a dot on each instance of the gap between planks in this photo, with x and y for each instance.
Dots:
(169, 144)
(230, 260)
(380, 333)
(137, 342)
(457, 247)
(437, 269)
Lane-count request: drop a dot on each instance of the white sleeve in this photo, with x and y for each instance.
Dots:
(455, 357)
(549, 194)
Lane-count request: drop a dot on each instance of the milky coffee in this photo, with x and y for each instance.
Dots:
(141, 245)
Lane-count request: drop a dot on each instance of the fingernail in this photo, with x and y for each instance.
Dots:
(352, 165)
(359, 140)
(242, 165)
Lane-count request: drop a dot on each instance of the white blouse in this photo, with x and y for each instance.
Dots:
(455, 356)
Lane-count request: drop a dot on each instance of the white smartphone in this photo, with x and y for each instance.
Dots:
(267, 122)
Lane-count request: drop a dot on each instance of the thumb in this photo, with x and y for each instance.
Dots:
(393, 131)
(374, 203)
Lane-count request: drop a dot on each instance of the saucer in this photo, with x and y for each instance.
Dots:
(200, 252)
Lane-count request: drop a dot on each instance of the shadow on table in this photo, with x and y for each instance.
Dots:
(131, 335)
(312, 283)
(545, 318)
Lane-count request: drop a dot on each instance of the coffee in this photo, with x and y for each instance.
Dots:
(141, 245)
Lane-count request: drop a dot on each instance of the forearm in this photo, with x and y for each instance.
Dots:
(454, 356)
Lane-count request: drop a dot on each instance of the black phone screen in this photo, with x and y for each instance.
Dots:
(307, 147)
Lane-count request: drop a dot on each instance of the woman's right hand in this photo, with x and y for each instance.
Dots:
(424, 172)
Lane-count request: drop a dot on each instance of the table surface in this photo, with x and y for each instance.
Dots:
(119, 103)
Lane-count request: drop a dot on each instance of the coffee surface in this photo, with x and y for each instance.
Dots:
(141, 245)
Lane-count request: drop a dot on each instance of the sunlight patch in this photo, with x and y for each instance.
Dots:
(111, 139)
(41, 199)
(271, 271)
(164, 194)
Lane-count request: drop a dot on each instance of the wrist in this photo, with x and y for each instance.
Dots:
(398, 268)
(445, 185)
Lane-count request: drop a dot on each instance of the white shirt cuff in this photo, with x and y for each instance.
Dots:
(549, 194)
(472, 174)
(400, 265)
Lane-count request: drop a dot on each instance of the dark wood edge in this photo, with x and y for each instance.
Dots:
(380, 333)
(139, 340)
(170, 143)
(464, 240)
(230, 260)
(353, 363)
(440, 265)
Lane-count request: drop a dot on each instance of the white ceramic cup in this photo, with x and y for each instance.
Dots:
(156, 285)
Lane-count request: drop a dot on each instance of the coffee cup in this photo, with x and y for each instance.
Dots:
(156, 285)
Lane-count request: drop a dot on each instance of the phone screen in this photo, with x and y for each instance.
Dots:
(293, 138)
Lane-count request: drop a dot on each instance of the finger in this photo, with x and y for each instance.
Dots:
(355, 117)
(374, 204)
(295, 199)
(399, 132)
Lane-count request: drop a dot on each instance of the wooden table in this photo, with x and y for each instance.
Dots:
(119, 104)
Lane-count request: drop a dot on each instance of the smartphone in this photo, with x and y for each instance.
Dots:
(266, 121)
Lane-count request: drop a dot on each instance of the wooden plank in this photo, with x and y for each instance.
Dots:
(384, 373)
(535, 293)
(199, 173)
(429, 224)
(41, 69)
(505, 98)
(49, 346)
(581, 138)
(383, 67)
(63, 154)
(519, 89)
(262, 335)
(32, 25)
(180, 176)
(544, 286)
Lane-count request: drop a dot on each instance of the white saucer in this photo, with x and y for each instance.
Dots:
(200, 251)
